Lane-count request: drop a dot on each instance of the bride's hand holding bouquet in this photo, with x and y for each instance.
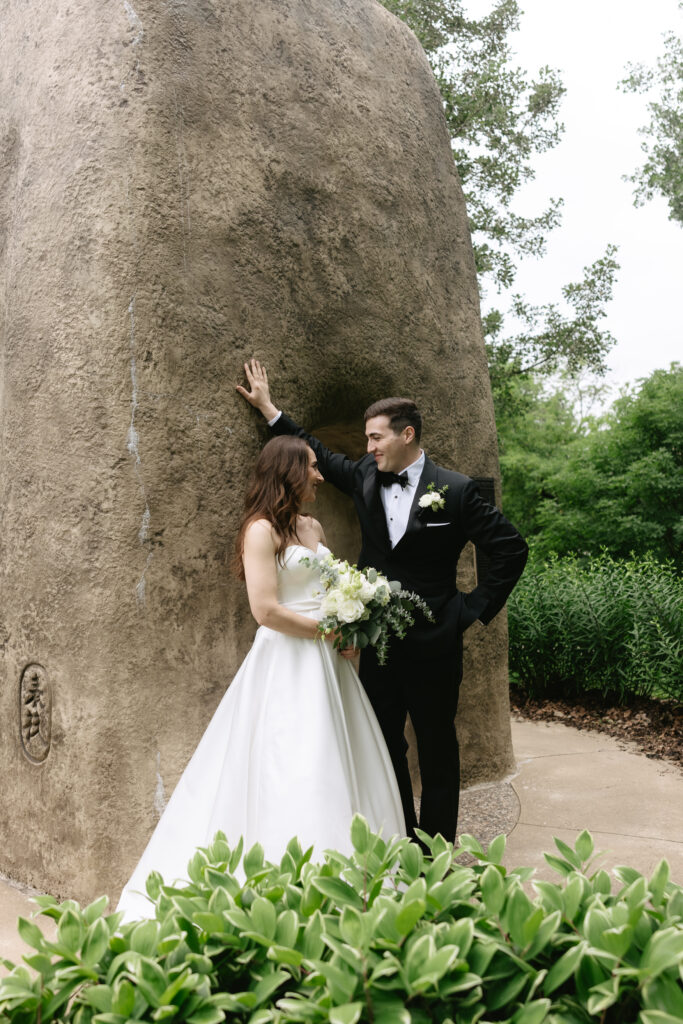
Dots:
(362, 608)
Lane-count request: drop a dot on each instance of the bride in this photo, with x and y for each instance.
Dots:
(294, 747)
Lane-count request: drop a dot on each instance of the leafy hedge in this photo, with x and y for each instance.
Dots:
(387, 935)
(608, 625)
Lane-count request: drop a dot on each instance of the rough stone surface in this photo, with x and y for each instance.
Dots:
(183, 184)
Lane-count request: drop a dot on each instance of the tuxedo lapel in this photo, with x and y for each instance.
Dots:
(427, 477)
(374, 505)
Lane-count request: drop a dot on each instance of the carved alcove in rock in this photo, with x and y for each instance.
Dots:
(185, 185)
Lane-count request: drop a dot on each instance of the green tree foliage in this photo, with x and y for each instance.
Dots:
(619, 487)
(499, 120)
(534, 429)
(552, 340)
(662, 172)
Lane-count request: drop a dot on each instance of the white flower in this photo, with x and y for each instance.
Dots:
(367, 590)
(329, 603)
(350, 609)
(433, 499)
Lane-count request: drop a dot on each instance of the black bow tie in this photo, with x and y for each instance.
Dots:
(387, 479)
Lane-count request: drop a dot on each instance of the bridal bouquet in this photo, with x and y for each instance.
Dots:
(363, 607)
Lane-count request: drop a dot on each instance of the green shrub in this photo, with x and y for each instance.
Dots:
(605, 625)
(386, 935)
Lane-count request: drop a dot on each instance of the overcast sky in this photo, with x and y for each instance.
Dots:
(590, 42)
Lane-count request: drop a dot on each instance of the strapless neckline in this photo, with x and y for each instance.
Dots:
(306, 548)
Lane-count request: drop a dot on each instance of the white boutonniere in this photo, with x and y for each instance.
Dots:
(434, 499)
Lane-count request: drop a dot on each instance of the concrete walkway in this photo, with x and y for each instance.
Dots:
(566, 781)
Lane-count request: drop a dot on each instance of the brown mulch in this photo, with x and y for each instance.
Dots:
(654, 726)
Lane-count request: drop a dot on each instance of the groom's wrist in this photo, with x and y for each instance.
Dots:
(272, 415)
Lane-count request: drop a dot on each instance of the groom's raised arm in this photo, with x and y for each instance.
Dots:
(336, 469)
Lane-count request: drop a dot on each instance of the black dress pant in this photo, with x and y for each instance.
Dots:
(428, 691)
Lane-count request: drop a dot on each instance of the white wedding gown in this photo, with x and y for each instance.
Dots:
(294, 749)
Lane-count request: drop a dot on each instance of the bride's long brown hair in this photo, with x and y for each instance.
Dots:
(276, 492)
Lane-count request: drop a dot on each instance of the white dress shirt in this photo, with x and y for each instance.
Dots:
(397, 500)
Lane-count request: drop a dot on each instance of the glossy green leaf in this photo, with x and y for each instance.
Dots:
(496, 849)
(71, 931)
(96, 943)
(348, 1013)
(338, 891)
(30, 933)
(664, 950)
(360, 834)
(584, 846)
(253, 860)
(565, 967)
(532, 1013)
(408, 916)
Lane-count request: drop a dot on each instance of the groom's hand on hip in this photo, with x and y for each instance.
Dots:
(258, 394)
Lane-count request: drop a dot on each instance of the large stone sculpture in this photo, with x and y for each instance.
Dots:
(182, 185)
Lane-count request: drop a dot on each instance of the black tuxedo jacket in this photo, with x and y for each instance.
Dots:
(425, 559)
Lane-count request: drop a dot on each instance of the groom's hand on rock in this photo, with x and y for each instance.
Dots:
(258, 394)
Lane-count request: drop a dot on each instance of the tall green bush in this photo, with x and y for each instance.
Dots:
(599, 625)
(386, 935)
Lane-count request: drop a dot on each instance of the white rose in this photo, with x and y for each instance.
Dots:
(350, 609)
(367, 590)
(329, 603)
(426, 500)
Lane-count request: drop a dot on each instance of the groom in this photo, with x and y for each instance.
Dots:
(415, 519)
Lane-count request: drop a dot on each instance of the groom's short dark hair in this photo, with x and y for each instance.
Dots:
(402, 413)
